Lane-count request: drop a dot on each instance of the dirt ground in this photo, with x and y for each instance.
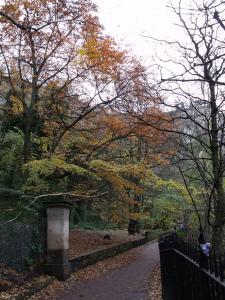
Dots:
(83, 242)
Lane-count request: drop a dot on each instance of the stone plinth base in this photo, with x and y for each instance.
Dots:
(61, 271)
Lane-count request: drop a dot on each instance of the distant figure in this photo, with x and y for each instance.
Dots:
(107, 237)
(204, 250)
(146, 234)
(182, 227)
(133, 227)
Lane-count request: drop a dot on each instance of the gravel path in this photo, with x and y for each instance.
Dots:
(126, 283)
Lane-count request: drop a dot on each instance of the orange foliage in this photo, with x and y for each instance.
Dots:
(99, 50)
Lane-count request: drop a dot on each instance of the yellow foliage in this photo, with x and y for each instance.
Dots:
(39, 170)
(111, 173)
(138, 216)
(102, 52)
(17, 105)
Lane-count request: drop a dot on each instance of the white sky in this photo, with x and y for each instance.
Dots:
(127, 20)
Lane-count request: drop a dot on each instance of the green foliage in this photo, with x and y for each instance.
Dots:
(162, 206)
(11, 159)
(166, 206)
(49, 166)
(154, 234)
(44, 174)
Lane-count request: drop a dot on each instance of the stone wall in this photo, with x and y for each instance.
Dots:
(92, 258)
(20, 245)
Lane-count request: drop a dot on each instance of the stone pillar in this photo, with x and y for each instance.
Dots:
(58, 211)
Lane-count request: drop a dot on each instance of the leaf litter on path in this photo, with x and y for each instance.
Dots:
(154, 284)
(100, 268)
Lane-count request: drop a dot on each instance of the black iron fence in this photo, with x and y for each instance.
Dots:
(187, 273)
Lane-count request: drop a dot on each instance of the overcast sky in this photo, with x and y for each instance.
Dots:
(128, 20)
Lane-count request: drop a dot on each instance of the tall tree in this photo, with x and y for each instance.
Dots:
(50, 47)
(194, 91)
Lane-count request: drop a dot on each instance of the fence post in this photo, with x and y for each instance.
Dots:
(58, 211)
(168, 267)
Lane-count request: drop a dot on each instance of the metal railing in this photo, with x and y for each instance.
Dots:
(188, 274)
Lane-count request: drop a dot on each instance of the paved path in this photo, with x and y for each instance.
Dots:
(125, 283)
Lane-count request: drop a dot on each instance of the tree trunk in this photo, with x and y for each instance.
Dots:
(218, 230)
(217, 235)
(206, 226)
(30, 109)
(27, 135)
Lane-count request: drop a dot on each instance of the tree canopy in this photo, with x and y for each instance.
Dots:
(81, 115)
